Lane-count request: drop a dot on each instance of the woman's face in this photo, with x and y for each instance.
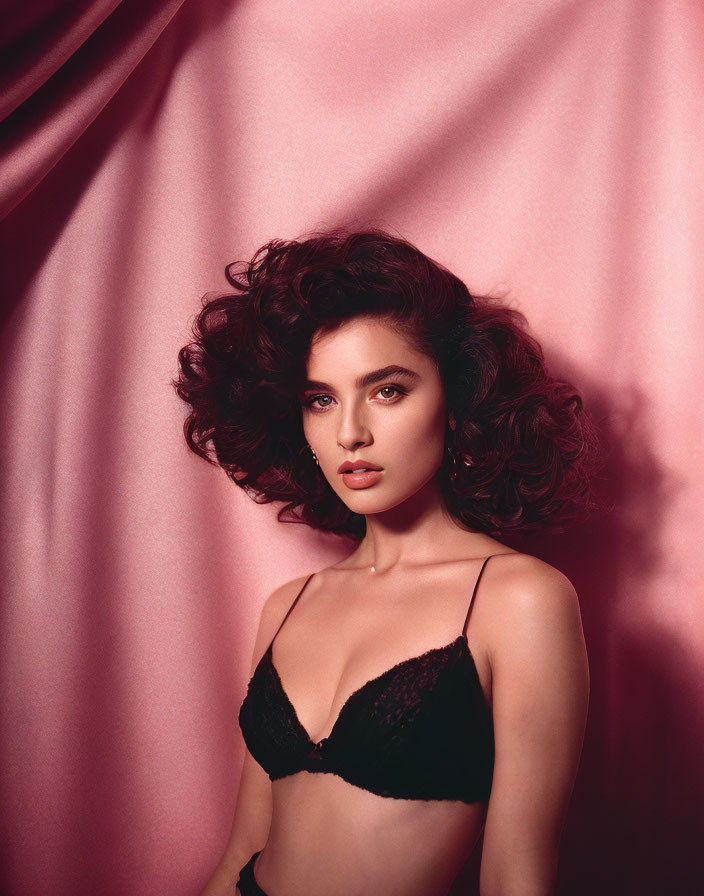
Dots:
(355, 407)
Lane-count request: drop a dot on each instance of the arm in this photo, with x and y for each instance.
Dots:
(540, 692)
(250, 826)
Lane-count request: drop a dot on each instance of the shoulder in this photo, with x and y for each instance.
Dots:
(522, 580)
(274, 609)
(279, 602)
(533, 605)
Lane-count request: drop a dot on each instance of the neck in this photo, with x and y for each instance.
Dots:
(409, 533)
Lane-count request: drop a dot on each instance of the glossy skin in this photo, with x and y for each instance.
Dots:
(321, 836)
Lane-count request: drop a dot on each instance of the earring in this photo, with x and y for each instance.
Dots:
(314, 455)
(466, 459)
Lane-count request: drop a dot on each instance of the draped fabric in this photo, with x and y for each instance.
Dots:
(549, 152)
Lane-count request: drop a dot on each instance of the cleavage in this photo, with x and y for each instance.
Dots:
(306, 699)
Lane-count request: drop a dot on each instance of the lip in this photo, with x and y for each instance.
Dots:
(361, 478)
(351, 465)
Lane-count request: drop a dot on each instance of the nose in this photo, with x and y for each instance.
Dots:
(353, 432)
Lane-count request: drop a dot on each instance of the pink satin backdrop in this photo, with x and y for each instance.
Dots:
(548, 151)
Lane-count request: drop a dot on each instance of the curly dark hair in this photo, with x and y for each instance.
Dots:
(523, 447)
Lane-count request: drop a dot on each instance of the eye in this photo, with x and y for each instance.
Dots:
(310, 402)
(397, 389)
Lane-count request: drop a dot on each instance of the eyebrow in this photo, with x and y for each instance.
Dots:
(367, 379)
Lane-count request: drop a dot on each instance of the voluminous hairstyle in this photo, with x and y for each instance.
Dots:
(521, 453)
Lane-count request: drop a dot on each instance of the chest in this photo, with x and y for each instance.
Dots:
(339, 643)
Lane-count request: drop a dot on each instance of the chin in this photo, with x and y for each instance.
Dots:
(367, 503)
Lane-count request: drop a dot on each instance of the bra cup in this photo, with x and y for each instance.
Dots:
(419, 736)
(269, 726)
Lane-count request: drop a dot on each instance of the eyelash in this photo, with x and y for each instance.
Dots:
(309, 402)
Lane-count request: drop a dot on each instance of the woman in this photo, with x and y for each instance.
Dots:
(433, 683)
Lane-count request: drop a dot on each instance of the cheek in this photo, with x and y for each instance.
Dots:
(421, 434)
(317, 430)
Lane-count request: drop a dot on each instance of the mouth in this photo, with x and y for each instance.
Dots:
(361, 477)
(358, 466)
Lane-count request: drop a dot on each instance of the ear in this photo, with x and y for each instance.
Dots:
(452, 423)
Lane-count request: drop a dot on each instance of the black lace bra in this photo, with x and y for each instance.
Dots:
(420, 730)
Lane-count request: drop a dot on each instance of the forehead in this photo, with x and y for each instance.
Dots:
(361, 342)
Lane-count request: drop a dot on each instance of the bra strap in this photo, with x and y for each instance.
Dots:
(292, 606)
(471, 602)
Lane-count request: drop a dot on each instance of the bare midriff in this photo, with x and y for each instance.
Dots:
(331, 838)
